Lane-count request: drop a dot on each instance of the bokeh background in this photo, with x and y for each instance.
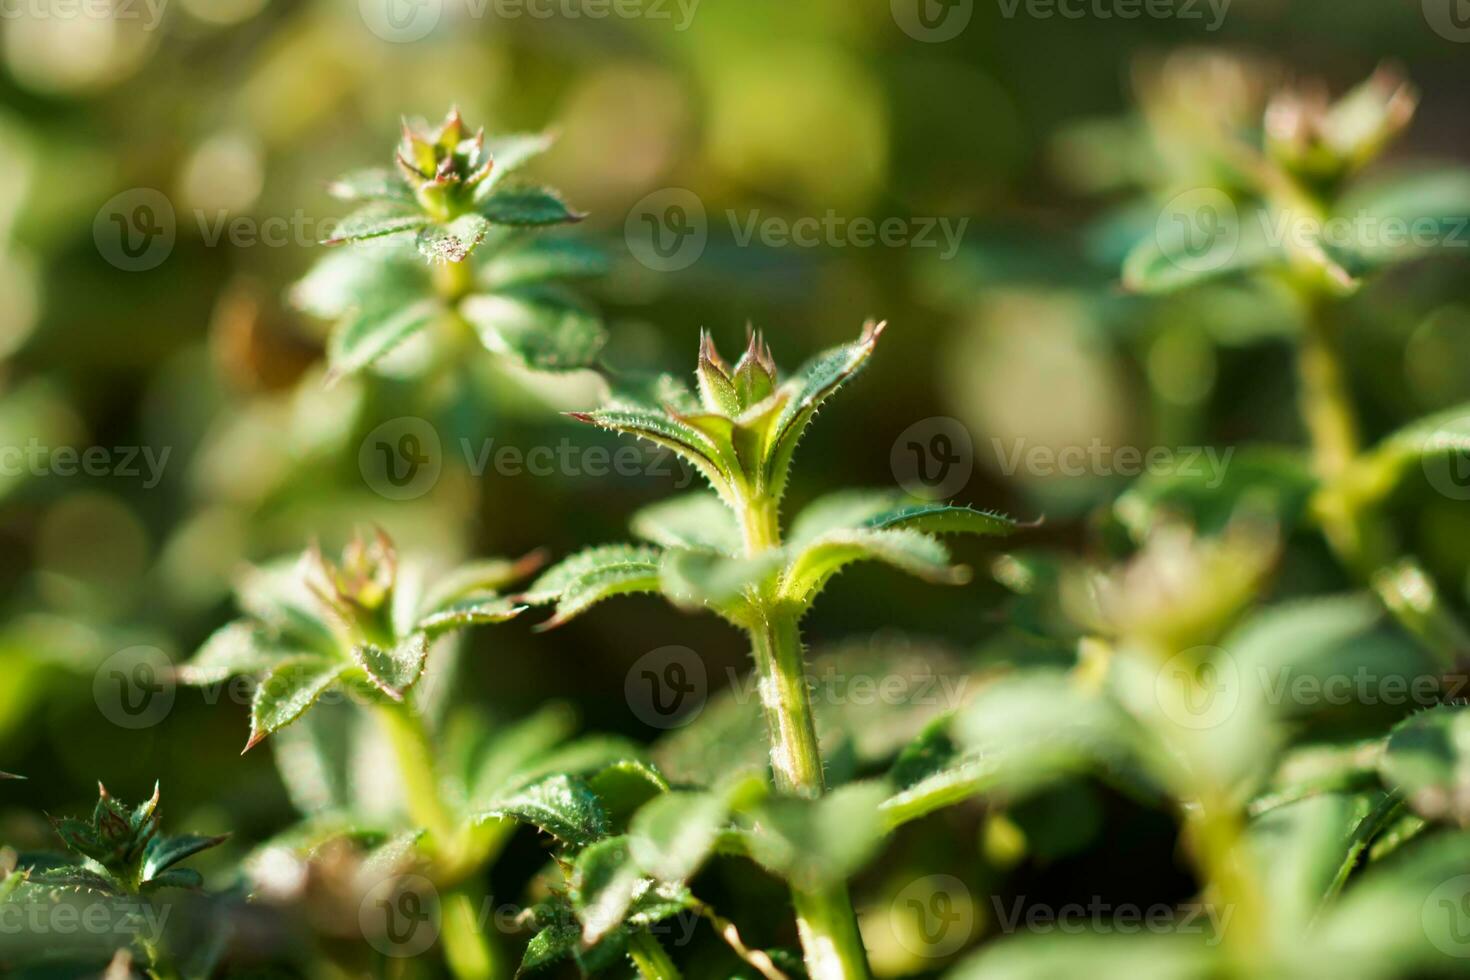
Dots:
(1028, 129)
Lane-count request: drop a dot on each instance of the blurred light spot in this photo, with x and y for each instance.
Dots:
(1437, 358)
(621, 132)
(1181, 366)
(224, 173)
(801, 121)
(90, 547)
(61, 48)
(18, 312)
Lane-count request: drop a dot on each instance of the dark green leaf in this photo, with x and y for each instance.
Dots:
(394, 671)
(563, 806)
(376, 220)
(287, 691)
(527, 206)
(1428, 760)
(540, 259)
(369, 333)
(540, 329)
(371, 185)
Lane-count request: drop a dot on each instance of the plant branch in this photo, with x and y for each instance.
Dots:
(824, 917)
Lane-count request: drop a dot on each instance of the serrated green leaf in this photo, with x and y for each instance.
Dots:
(686, 442)
(560, 805)
(1428, 760)
(694, 520)
(175, 878)
(527, 207)
(843, 509)
(626, 785)
(540, 259)
(604, 885)
(287, 691)
(73, 877)
(375, 184)
(165, 852)
(910, 551)
(559, 577)
(538, 328)
(485, 762)
(375, 221)
(237, 648)
(469, 611)
(805, 391)
(394, 671)
(367, 334)
(477, 578)
(453, 242)
(591, 576)
(942, 519)
(508, 154)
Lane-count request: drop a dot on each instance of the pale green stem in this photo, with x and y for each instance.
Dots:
(415, 755)
(467, 949)
(649, 957)
(825, 918)
(1357, 533)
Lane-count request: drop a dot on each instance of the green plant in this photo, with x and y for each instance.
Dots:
(724, 552)
(118, 853)
(364, 629)
(445, 238)
(1278, 216)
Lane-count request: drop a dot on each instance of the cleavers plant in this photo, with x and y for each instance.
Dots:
(724, 551)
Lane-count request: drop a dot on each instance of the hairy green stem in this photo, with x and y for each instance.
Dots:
(414, 752)
(1357, 533)
(649, 957)
(467, 949)
(830, 939)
